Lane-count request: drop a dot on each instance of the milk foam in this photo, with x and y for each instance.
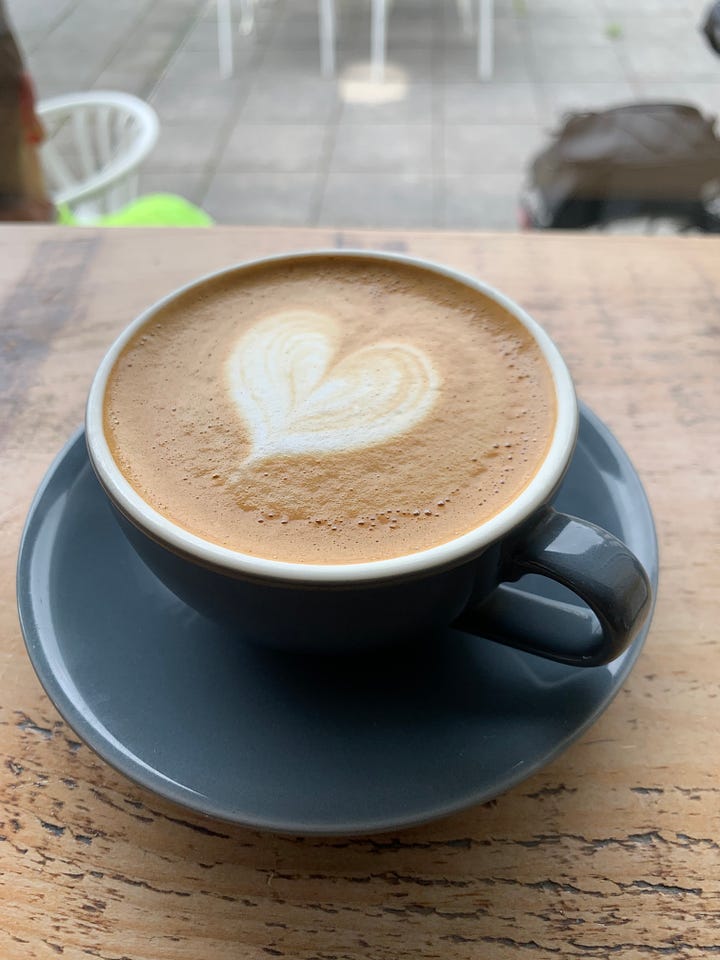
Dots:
(296, 398)
(330, 410)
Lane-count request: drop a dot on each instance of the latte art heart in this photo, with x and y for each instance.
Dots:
(295, 400)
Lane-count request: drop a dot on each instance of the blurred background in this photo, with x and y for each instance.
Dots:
(268, 115)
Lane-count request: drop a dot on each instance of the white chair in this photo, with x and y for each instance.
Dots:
(327, 19)
(95, 143)
(225, 31)
(378, 35)
(485, 47)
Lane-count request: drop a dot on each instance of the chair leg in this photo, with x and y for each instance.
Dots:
(485, 39)
(378, 39)
(466, 19)
(225, 39)
(247, 17)
(326, 17)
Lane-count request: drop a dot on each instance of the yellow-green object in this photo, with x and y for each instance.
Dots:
(65, 215)
(153, 210)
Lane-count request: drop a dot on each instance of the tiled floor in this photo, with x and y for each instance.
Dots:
(277, 144)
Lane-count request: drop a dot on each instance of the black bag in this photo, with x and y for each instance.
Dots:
(644, 159)
(712, 26)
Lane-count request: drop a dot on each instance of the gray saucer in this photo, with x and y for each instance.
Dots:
(294, 743)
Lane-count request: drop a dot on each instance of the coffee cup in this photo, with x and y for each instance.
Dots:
(329, 452)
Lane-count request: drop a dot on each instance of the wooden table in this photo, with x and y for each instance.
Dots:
(614, 849)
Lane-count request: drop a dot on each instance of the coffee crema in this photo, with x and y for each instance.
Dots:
(330, 409)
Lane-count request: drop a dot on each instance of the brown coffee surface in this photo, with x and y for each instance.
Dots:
(330, 410)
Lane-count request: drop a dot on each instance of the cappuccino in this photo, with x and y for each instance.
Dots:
(330, 409)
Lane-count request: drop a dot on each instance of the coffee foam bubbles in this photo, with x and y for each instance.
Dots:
(330, 409)
(297, 397)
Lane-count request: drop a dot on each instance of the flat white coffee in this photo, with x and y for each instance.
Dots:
(330, 410)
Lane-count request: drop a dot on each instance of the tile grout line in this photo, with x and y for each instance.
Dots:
(29, 48)
(179, 45)
(323, 170)
(63, 16)
(210, 169)
(114, 48)
(542, 105)
(117, 46)
(438, 129)
(180, 39)
(630, 74)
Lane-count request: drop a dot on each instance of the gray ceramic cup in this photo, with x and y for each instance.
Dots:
(348, 608)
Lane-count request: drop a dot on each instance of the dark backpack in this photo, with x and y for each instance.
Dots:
(644, 159)
(711, 29)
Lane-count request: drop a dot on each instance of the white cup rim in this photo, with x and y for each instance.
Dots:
(441, 556)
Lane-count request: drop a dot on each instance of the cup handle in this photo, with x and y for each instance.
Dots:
(588, 560)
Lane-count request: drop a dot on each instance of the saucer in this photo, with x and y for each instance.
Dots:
(291, 743)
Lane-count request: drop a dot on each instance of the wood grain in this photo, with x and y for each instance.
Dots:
(614, 849)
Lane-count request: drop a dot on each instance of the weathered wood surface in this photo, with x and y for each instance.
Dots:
(614, 849)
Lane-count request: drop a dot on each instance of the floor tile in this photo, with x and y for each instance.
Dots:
(506, 33)
(383, 148)
(590, 31)
(91, 28)
(411, 65)
(285, 99)
(698, 10)
(562, 8)
(491, 148)
(191, 89)
(67, 67)
(190, 184)
(134, 70)
(263, 11)
(178, 105)
(203, 35)
(302, 60)
(126, 81)
(680, 59)
(647, 7)
(705, 96)
(493, 102)
(29, 40)
(275, 147)
(151, 34)
(186, 146)
(560, 98)
(571, 63)
(656, 30)
(298, 30)
(409, 27)
(201, 67)
(377, 200)
(511, 9)
(458, 63)
(487, 201)
(280, 199)
(29, 15)
(171, 14)
(387, 103)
